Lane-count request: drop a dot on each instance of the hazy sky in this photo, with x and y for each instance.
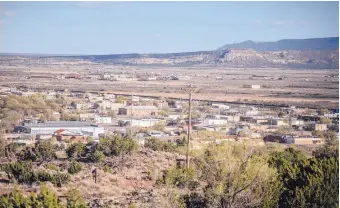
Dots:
(157, 27)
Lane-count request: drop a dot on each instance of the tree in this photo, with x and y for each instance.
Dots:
(117, 146)
(97, 156)
(2, 146)
(322, 111)
(74, 199)
(307, 182)
(45, 150)
(237, 176)
(325, 120)
(75, 150)
(46, 198)
(158, 145)
(74, 168)
(120, 99)
(160, 126)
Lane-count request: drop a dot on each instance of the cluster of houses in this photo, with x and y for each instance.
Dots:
(97, 113)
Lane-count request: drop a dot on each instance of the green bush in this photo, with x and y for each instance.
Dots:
(45, 198)
(177, 177)
(117, 146)
(158, 145)
(23, 172)
(52, 167)
(75, 150)
(97, 156)
(74, 199)
(75, 167)
(45, 150)
(308, 182)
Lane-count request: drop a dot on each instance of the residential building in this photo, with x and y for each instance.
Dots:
(317, 127)
(139, 122)
(277, 122)
(220, 106)
(252, 86)
(103, 120)
(139, 111)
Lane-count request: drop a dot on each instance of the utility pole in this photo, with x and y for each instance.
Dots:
(190, 89)
(131, 117)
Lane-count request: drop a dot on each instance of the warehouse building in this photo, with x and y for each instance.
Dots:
(49, 127)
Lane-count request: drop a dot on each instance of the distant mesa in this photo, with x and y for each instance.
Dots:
(313, 53)
(312, 44)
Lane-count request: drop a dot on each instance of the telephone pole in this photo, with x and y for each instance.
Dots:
(131, 117)
(190, 89)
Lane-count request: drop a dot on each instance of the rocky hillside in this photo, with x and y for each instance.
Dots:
(289, 44)
(310, 54)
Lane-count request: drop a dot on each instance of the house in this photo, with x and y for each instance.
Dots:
(104, 120)
(139, 111)
(220, 106)
(140, 122)
(252, 86)
(214, 122)
(83, 106)
(65, 135)
(277, 122)
(109, 96)
(174, 116)
(317, 127)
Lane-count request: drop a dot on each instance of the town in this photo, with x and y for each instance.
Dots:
(83, 117)
(169, 104)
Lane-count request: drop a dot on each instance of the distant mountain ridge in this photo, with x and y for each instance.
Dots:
(315, 53)
(310, 44)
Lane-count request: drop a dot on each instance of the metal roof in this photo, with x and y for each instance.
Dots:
(60, 124)
(141, 107)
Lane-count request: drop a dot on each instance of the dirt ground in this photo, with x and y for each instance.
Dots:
(296, 85)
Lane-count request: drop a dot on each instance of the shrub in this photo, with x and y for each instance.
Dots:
(158, 145)
(16, 199)
(75, 150)
(117, 146)
(75, 167)
(52, 167)
(22, 172)
(45, 150)
(74, 199)
(97, 156)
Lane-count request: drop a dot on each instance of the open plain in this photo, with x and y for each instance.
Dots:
(310, 87)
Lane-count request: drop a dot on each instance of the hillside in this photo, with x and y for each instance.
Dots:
(289, 44)
(317, 53)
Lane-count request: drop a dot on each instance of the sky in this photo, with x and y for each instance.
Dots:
(157, 27)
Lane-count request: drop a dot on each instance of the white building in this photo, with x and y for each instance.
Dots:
(214, 122)
(220, 106)
(252, 86)
(140, 122)
(49, 127)
(103, 120)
